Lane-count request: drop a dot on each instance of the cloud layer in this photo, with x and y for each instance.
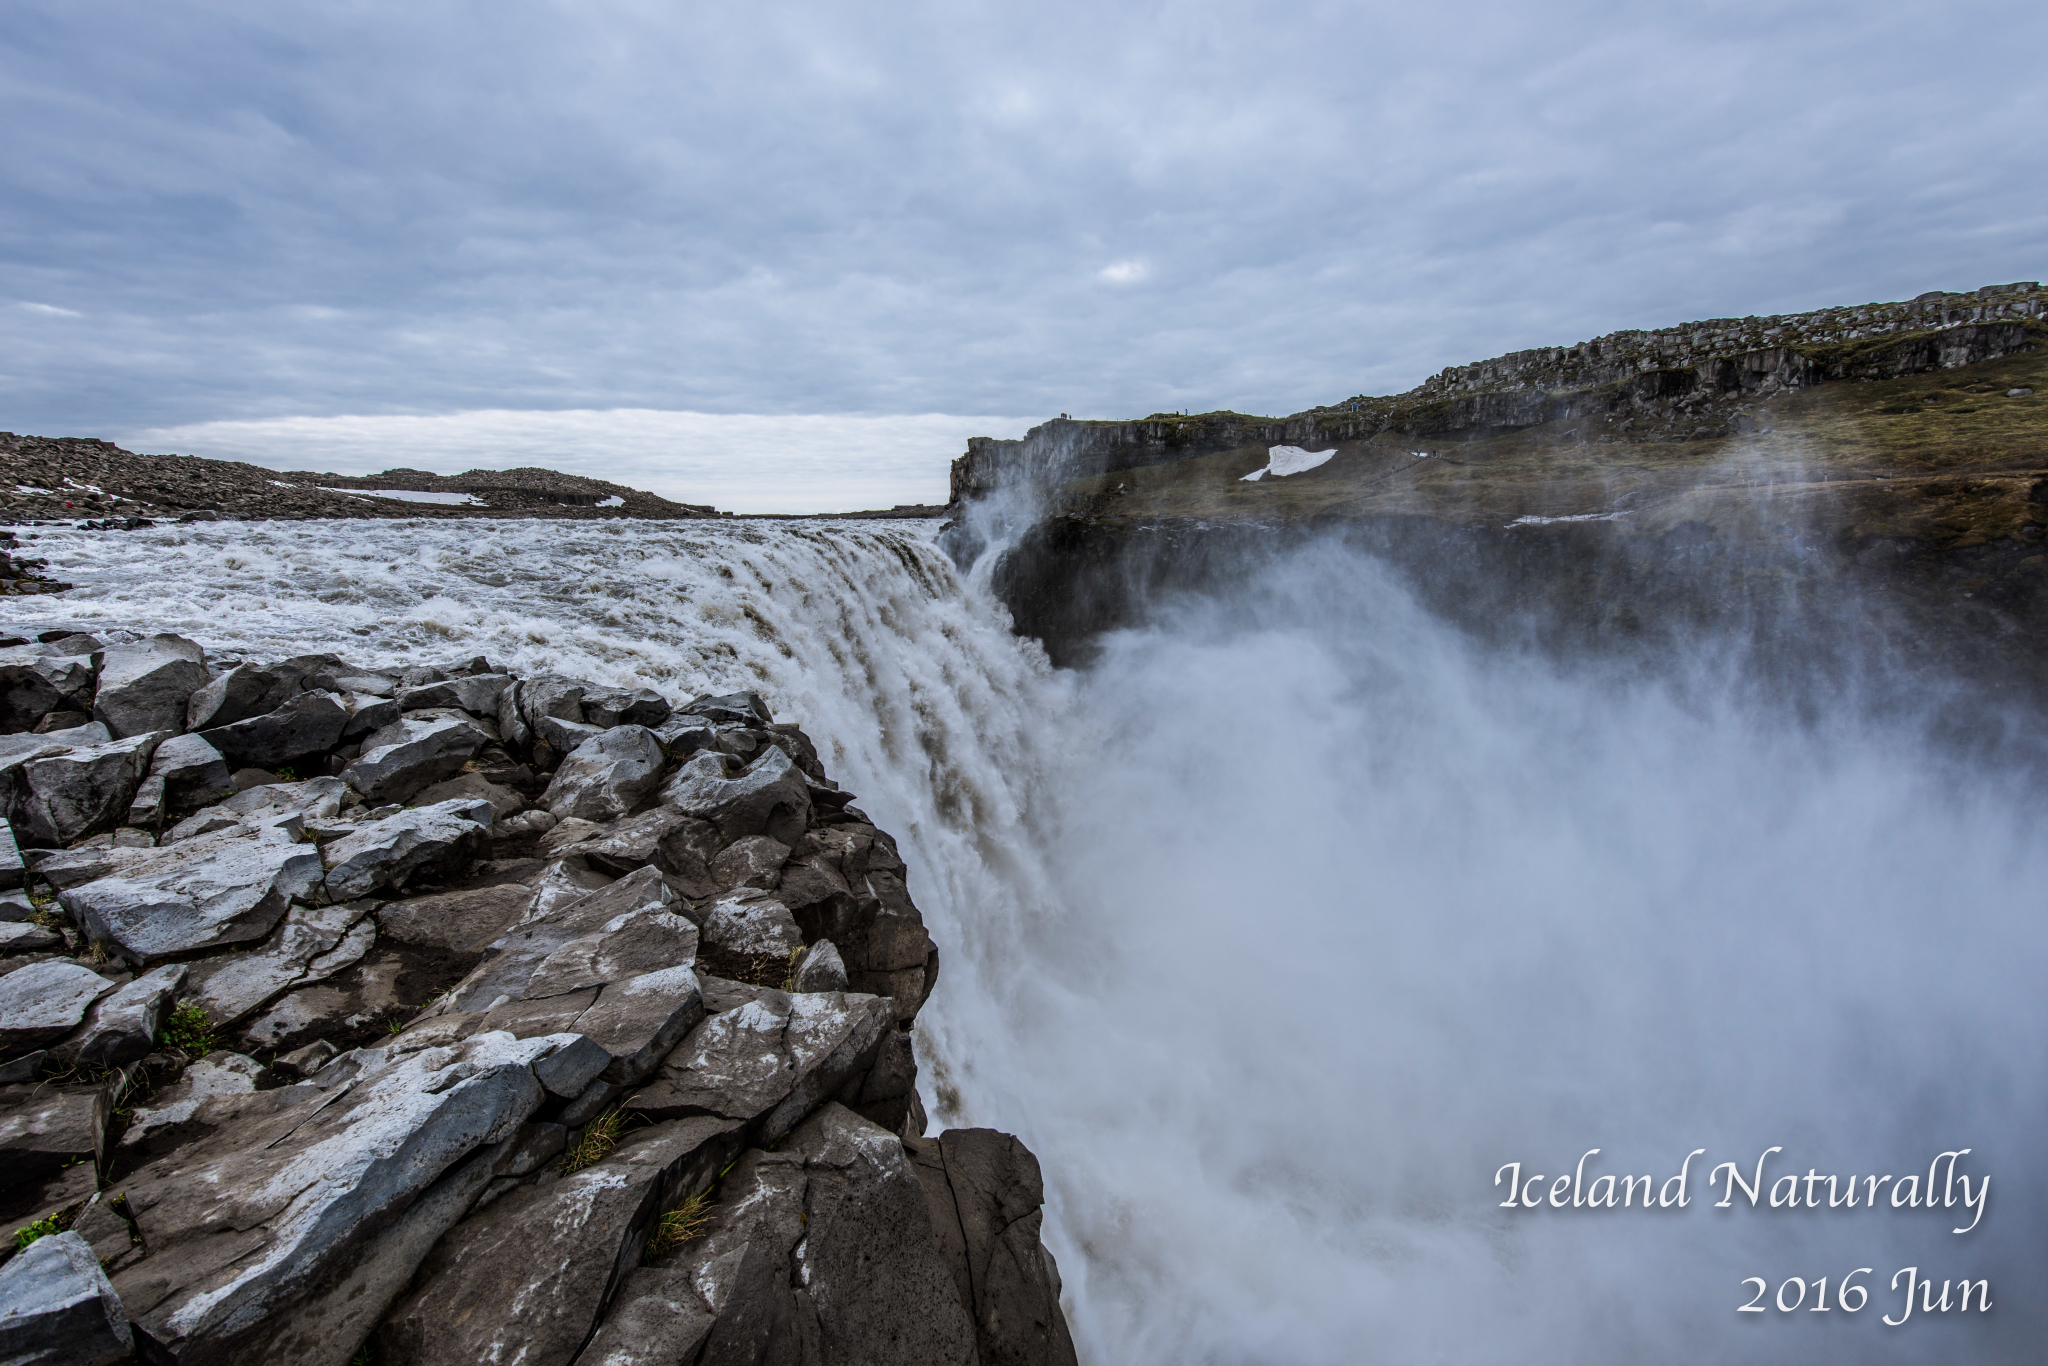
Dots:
(225, 210)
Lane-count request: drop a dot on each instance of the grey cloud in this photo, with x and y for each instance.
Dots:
(261, 212)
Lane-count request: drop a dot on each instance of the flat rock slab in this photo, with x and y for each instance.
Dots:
(770, 1061)
(478, 693)
(525, 1278)
(311, 944)
(462, 922)
(44, 1127)
(58, 1309)
(519, 953)
(41, 1003)
(219, 889)
(388, 852)
(246, 1225)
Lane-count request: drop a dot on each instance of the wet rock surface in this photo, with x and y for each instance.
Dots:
(496, 1075)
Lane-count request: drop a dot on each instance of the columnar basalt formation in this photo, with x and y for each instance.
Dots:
(444, 1015)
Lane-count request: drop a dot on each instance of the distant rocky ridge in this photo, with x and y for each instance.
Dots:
(441, 1016)
(1690, 382)
(61, 478)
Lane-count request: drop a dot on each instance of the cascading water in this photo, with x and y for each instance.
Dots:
(1285, 925)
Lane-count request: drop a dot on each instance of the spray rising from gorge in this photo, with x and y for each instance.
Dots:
(1284, 925)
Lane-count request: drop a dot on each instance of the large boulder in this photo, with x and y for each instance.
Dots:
(193, 771)
(41, 1003)
(257, 1235)
(58, 1309)
(730, 709)
(985, 1195)
(308, 723)
(769, 797)
(525, 1278)
(35, 683)
(210, 892)
(822, 1251)
(551, 707)
(147, 686)
(388, 852)
(244, 691)
(412, 753)
(462, 922)
(769, 1061)
(607, 775)
(64, 797)
(121, 1028)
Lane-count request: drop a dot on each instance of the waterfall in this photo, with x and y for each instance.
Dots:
(1283, 927)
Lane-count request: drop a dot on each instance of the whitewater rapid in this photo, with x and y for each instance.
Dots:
(1279, 930)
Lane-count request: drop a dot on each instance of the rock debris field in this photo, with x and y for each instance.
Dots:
(452, 1017)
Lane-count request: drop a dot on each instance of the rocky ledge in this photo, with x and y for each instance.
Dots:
(448, 1016)
(65, 478)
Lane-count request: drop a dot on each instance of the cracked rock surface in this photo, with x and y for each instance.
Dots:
(562, 1024)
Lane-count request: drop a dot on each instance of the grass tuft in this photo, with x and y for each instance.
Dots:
(41, 1228)
(679, 1225)
(190, 1031)
(600, 1136)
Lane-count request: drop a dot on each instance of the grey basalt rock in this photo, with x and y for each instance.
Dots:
(753, 924)
(307, 723)
(411, 753)
(684, 733)
(518, 954)
(18, 936)
(311, 944)
(213, 891)
(624, 707)
(607, 775)
(504, 801)
(769, 798)
(477, 693)
(147, 686)
(770, 1061)
(57, 1307)
(367, 714)
(823, 1252)
(985, 1194)
(41, 1003)
(820, 969)
(64, 797)
(250, 1227)
(525, 1278)
(206, 1096)
(51, 1137)
(463, 922)
(12, 868)
(241, 692)
(755, 861)
(731, 709)
(121, 1028)
(34, 684)
(388, 852)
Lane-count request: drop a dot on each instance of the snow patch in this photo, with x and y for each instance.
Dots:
(447, 500)
(1532, 520)
(615, 501)
(1282, 461)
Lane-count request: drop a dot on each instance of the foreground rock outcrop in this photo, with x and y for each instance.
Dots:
(449, 1016)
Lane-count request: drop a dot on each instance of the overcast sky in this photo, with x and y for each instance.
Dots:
(363, 234)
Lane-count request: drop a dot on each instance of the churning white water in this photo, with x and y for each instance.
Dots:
(1282, 928)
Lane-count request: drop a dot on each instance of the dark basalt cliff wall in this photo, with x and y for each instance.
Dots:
(1816, 491)
(1684, 383)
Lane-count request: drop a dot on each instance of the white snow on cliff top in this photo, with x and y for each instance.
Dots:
(1285, 460)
